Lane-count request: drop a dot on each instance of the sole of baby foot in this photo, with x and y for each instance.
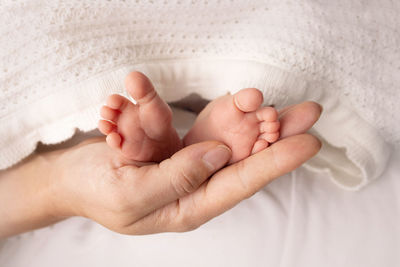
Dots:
(142, 131)
(239, 121)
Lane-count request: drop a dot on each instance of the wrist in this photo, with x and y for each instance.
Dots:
(27, 191)
(51, 188)
(63, 184)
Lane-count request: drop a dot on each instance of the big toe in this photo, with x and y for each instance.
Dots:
(154, 113)
(248, 100)
(139, 87)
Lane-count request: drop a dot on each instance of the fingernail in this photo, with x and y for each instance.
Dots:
(217, 157)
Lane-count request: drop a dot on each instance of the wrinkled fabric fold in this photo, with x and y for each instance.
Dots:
(353, 152)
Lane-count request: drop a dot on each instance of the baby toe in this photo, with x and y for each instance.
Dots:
(139, 87)
(270, 137)
(269, 127)
(259, 145)
(108, 113)
(114, 140)
(117, 102)
(248, 100)
(268, 114)
(106, 127)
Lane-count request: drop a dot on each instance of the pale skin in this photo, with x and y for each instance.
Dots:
(144, 132)
(178, 194)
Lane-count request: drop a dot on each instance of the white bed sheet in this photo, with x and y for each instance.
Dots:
(301, 219)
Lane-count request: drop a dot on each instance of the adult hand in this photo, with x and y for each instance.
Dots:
(179, 194)
(182, 192)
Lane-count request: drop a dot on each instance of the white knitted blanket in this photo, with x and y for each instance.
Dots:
(60, 59)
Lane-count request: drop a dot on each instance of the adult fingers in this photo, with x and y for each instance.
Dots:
(158, 185)
(229, 186)
(243, 179)
(298, 119)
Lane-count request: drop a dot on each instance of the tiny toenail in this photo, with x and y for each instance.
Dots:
(237, 104)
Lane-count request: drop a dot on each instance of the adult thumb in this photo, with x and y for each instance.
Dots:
(183, 173)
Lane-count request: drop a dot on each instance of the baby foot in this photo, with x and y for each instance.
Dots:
(142, 131)
(238, 121)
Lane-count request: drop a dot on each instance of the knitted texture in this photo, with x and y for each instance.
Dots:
(48, 48)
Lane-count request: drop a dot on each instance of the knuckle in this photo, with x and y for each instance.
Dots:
(185, 182)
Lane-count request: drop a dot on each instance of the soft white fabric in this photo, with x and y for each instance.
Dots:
(299, 220)
(60, 59)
